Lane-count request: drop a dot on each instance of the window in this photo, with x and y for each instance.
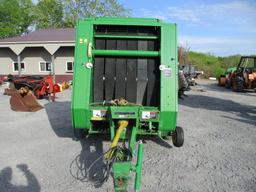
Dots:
(69, 66)
(44, 66)
(16, 68)
(248, 63)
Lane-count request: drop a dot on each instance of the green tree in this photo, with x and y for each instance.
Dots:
(49, 14)
(210, 64)
(230, 61)
(15, 17)
(77, 9)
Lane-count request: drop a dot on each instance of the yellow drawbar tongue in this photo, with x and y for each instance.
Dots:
(122, 125)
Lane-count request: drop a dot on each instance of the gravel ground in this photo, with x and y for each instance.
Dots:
(219, 153)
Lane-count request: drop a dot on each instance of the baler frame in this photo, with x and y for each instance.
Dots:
(101, 115)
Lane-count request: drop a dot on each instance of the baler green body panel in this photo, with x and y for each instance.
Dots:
(90, 33)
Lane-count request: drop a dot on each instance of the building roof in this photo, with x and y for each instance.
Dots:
(44, 35)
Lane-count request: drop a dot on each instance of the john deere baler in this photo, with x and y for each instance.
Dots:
(125, 84)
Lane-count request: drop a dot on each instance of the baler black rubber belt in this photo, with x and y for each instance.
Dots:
(120, 78)
(142, 81)
(131, 86)
(151, 45)
(110, 70)
(121, 44)
(143, 45)
(142, 77)
(111, 44)
(100, 44)
(152, 88)
(132, 44)
(98, 82)
(110, 66)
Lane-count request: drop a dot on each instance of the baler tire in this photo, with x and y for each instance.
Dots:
(178, 137)
(80, 133)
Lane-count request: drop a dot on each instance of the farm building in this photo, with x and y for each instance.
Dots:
(43, 52)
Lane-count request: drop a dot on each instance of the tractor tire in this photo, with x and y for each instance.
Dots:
(228, 83)
(183, 84)
(238, 84)
(182, 81)
(178, 137)
(80, 133)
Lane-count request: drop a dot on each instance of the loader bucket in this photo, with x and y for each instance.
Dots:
(24, 103)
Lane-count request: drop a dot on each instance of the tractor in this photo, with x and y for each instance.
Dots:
(243, 77)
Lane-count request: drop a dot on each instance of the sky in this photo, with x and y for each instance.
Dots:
(219, 27)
